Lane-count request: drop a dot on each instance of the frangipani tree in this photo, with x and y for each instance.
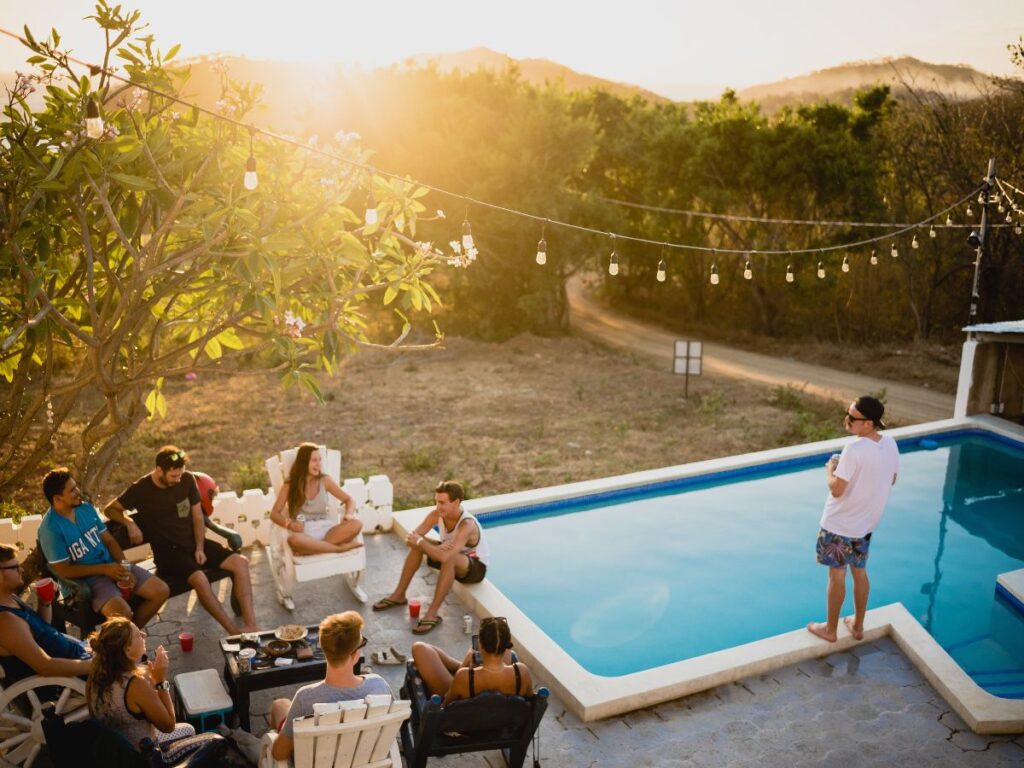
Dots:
(140, 254)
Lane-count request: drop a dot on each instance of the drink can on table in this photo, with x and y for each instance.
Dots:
(245, 657)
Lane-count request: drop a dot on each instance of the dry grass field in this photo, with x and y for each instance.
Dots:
(526, 413)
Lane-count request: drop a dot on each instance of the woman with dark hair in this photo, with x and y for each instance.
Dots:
(494, 670)
(305, 493)
(135, 699)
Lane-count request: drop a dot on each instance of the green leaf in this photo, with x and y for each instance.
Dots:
(173, 52)
(212, 349)
(135, 182)
(229, 338)
(390, 294)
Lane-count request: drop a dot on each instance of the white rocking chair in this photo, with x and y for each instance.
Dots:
(354, 734)
(287, 568)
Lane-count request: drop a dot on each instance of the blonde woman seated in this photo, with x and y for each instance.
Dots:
(302, 507)
(494, 671)
(135, 699)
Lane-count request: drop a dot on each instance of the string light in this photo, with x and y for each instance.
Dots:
(931, 232)
(748, 271)
(981, 197)
(914, 244)
(250, 181)
(970, 211)
(370, 216)
(790, 277)
(542, 250)
(846, 264)
(874, 257)
(949, 220)
(613, 260)
(467, 233)
(662, 267)
(894, 252)
(1017, 229)
(1009, 218)
(93, 121)
(714, 274)
(821, 270)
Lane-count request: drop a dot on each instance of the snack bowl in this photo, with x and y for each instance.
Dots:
(278, 647)
(290, 632)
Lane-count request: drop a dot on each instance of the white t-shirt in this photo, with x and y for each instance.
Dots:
(868, 468)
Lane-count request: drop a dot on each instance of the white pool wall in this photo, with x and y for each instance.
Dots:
(592, 697)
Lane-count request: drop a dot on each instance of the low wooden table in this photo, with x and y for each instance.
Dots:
(241, 684)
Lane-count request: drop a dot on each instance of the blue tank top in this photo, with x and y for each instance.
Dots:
(56, 644)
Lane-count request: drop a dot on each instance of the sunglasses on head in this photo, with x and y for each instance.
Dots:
(848, 417)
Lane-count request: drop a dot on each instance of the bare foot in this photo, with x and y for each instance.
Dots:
(821, 630)
(858, 634)
(348, 545)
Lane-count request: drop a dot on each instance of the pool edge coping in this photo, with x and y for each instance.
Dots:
(593, 697)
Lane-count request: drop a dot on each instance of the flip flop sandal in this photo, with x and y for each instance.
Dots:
(426, 625)
(386, 657)
(384, 603)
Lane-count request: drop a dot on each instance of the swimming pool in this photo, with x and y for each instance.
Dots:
(653, 585)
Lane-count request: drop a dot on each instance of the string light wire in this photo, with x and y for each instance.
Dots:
(896, 229)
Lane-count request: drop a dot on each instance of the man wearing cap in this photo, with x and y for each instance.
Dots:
(170, 515)
(859, 482)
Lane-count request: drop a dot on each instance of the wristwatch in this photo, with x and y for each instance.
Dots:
(164, 685)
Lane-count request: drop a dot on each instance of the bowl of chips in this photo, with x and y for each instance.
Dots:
(278, 647)
(290, 632)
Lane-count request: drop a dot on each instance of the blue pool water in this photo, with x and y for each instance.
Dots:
(634, 579)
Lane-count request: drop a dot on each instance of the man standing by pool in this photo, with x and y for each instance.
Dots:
(461, 555)
(859, 483)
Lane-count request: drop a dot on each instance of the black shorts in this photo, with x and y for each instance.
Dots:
(176, 564)
(476, 573)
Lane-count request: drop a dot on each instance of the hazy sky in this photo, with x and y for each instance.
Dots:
(646, 42)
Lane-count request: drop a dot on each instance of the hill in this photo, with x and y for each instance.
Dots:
(839, 83)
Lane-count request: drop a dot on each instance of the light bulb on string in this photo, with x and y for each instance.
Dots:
(894, 251)
(874, 257)
(821, 270)
(846, 264)
(714, 274)
(93, 121)
(542, 250)
(981, 198)
(370, 216)
(914, 244)
(949, 220)
(613, 260)
(467, 233)
(1017, 229)
(970, 211)
(790, 277)
(250, 180)
(1002, 208)
(931, 232)
(1009, 218)
(662, 274)
(748, 271)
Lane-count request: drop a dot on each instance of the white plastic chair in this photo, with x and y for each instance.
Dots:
(354, 734)
(287, 568)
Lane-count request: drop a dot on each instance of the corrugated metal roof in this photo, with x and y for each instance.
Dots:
(1007, 326)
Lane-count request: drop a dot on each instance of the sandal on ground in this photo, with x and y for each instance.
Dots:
(386, 602)
(387, 657)
(426, 625)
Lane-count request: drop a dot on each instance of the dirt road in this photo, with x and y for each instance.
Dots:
(904, 402)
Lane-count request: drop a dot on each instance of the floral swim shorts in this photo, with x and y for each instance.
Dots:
(837, 551)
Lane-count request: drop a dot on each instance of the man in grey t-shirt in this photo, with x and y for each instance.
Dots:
(341, 638)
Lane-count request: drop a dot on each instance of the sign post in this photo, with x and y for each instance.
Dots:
(687, 361)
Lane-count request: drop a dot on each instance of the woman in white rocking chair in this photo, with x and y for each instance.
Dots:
(305, 493)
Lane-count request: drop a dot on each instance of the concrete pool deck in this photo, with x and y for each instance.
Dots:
(593, 697)
(866, 706)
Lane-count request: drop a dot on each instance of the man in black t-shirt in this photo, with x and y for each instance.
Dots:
(170, 518)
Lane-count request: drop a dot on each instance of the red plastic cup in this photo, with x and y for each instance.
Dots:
(126, 589)
(186, 641)
(46, 590)
(414, 608)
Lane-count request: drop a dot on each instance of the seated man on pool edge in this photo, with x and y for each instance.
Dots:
(461, 555)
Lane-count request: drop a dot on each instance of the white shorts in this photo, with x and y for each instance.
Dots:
(318, 528)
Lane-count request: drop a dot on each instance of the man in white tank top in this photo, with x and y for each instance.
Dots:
(461, 555)
(859, 483)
